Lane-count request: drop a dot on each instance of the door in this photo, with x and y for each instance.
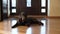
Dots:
(36, 7)
(32, 7)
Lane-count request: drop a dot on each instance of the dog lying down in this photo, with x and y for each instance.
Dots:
(27, 22)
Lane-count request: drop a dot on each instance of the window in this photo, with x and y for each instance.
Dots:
(4, 2)
(13, 10)
(28, 3)
(44, 7)
(43, 3)
(13, 3)
(13, 6)
(43, 10)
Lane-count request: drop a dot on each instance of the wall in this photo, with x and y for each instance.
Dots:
(54, 8)
(0, 10)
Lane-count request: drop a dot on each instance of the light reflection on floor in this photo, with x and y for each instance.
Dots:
(29, 29)
(14, 31)
(43, 28)
(14, 22)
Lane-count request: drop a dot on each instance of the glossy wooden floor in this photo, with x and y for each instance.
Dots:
(51, 26)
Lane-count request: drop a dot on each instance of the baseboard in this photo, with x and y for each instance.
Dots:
(52, 16)
(39, 16)
(43, 16)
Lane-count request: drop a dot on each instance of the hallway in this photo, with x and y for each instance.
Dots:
(51, 26)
